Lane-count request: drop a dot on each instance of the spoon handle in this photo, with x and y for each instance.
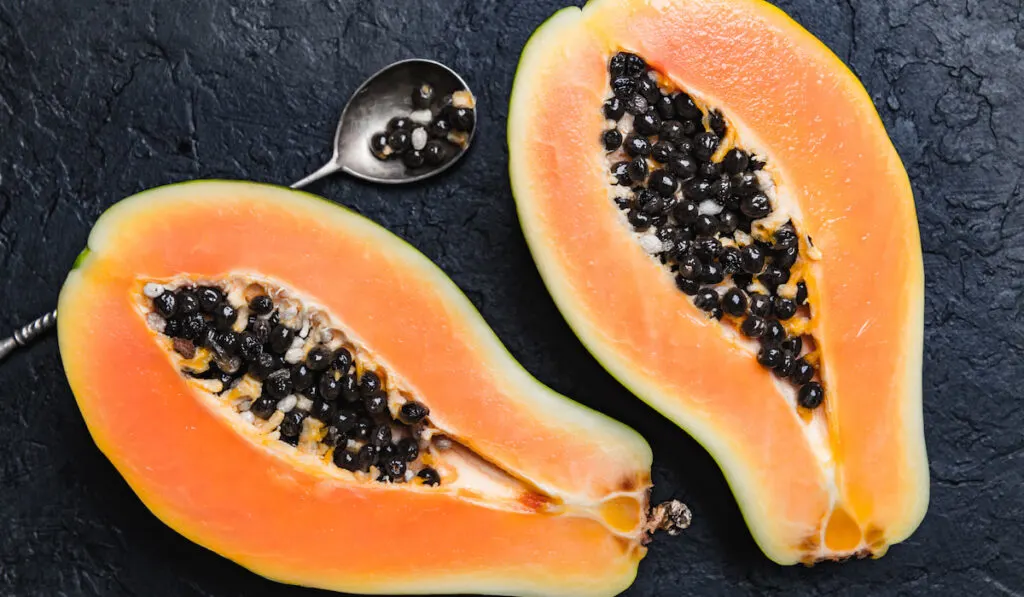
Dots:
(27, 333)
(327, 169)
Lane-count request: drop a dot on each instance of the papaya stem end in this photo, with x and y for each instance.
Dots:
(672, 516)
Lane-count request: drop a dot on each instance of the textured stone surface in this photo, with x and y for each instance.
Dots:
(99, 100)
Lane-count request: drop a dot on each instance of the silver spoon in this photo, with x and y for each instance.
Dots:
(386, 94)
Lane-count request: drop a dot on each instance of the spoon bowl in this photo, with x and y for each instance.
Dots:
(387, 94)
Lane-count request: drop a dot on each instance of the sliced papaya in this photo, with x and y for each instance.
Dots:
(293, 387)
(716, 208)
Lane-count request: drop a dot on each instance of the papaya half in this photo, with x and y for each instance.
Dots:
(716, 208)
(290, 385)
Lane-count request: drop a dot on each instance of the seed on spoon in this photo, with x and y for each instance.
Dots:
(419, 138)
(379, 146)
(423, 96)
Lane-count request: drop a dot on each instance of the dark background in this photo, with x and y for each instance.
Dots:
(99, 100)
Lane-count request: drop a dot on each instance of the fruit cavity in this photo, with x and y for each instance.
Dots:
(704, 208)
(286, 369)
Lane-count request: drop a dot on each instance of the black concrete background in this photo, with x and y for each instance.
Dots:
(99, 100)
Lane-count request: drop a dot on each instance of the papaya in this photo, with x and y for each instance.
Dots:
(719, 214)
(291, 386)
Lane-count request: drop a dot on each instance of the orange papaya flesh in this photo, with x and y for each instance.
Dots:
(849, 477)
(538, 495)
